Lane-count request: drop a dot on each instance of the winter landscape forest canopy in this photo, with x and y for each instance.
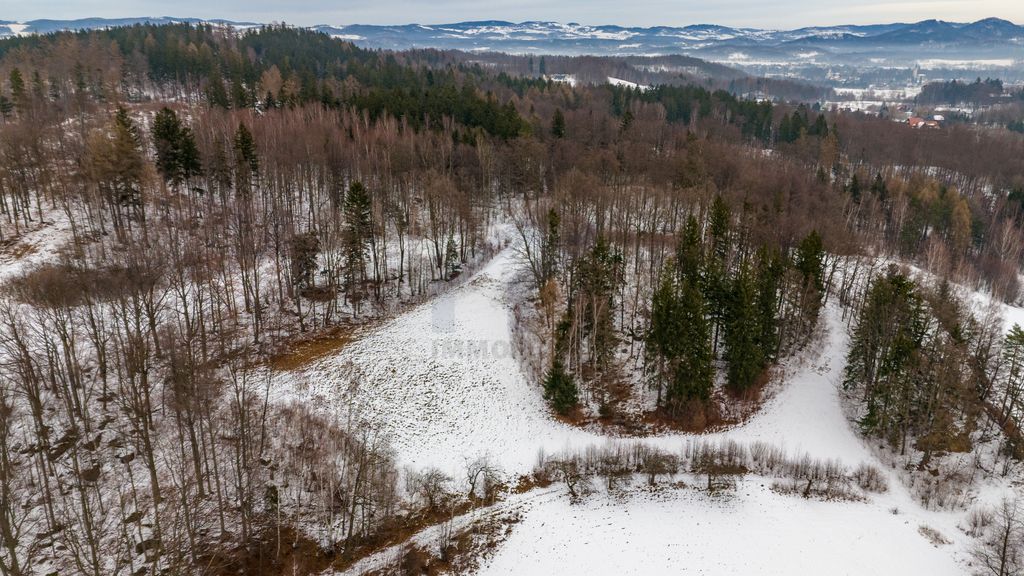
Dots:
(274, 303)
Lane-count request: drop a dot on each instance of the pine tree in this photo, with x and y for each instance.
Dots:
(560, 388)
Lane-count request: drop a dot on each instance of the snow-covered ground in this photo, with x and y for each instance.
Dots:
(442, 382)
(627, 84)
(687, 531)
(36, 245)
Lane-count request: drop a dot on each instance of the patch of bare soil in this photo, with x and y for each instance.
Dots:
(458, 553)
(303, 351)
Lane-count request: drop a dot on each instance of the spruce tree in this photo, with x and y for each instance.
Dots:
(689, 253)
(560, 388)
(770, 272)
(743, 356)
(246, 161)
(854, 189)
(663, 340)
(245, 148)
(597, 279)
(885, 349)
(18, 93)
(810, 258)
(452, 265)
(785, 129)
(693, 374)
(558, 124)
(716, 271)
(177, 156)
(358, 227)
(1013, 381)
(549, 254)
(188, 155)
(128, 163)
(879, 188)
(304, 250)
(216, 94)
(167, 141)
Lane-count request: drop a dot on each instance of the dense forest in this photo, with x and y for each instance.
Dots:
(230, 198)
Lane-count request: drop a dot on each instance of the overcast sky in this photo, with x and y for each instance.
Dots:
(753, 13)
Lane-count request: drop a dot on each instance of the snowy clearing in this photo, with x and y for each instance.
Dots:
(442, 382)
(686, 531)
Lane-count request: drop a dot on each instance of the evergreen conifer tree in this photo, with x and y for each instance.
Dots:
(743, 356)
(559, 388)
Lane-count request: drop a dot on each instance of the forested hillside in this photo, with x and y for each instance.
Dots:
(187, 212)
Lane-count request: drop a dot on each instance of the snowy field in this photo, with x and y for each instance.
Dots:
(685, 531)
(442, 382)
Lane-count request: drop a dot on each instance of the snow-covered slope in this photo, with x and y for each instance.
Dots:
(442, 382)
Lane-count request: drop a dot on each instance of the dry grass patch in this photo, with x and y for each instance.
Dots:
(301, 353)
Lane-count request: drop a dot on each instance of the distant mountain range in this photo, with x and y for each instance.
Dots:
(995, 42)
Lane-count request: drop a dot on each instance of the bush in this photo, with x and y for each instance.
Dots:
(870, 479)
(978, 519)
